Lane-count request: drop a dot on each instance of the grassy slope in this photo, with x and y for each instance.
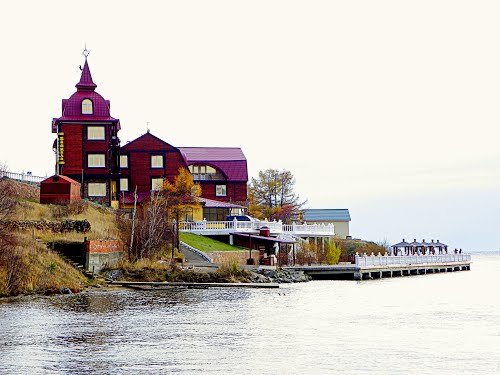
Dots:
(30, 266)
(206, 244)
(102, 221)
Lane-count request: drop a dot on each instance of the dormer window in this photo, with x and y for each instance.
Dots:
(205, 172)
(87, 107)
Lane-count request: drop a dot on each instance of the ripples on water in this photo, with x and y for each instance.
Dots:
(433, 324)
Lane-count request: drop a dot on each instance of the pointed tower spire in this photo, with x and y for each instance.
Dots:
(86, 82)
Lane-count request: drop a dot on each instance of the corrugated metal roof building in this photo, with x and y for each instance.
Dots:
(339, 217)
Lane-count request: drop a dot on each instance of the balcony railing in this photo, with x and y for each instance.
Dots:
(276, 227)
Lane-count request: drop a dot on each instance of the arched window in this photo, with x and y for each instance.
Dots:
(205, 172)
(87, 107)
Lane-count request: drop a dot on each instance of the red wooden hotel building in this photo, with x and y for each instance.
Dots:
(88, 150)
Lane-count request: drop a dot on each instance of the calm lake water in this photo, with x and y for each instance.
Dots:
(433, 324)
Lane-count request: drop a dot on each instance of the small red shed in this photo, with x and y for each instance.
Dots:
(59, 189)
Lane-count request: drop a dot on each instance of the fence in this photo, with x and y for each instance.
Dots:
(24, 177)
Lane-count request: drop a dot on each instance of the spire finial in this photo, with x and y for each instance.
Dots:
(86, 82)
(86, 52)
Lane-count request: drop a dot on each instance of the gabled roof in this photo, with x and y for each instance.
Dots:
(60, 177)
(230, 160)
(148, 137)
(401, 244)
(415, 243)
(327, 214)
(210, 203)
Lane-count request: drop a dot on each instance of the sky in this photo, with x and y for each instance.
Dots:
(388, 108)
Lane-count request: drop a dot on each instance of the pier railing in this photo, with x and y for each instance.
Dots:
(394, 260)
(276, 227)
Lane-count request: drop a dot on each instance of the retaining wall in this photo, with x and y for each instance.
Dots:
(100, 254)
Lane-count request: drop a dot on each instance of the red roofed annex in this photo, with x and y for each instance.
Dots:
(88, 151)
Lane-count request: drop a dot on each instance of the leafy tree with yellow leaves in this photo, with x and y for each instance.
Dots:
(180, 195)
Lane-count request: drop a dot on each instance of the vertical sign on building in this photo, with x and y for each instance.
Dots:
(60, 148)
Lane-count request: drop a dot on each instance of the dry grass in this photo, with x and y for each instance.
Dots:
(150, 270)
(29, 267)
(102, 221)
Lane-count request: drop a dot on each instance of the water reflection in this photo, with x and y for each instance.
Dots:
(321, 327)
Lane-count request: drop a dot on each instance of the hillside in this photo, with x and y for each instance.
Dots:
(207, 244)
(26, 265)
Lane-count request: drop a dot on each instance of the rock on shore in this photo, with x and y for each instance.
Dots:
(280, 276)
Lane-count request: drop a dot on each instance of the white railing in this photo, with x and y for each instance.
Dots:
(276, 227)
(308, 228)
(394, 260)
(25, 177)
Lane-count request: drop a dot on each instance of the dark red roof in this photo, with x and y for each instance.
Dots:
(230, 160)
(60, 177)
(128, 197)
(210, 203)
(72, 107)
(86, 82)
(151, 139)
(262, 238)
(194, 154)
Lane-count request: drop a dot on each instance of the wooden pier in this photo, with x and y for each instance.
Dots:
(376, 267)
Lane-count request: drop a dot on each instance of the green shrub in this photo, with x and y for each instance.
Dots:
(332, 252)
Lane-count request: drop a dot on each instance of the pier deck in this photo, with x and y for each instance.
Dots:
(376, 267)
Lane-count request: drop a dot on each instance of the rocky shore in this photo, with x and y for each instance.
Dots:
(280, 276)
(251, 276)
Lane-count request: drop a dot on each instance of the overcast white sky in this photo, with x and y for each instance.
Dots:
(388, 108)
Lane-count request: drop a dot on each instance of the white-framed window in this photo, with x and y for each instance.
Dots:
(96, 160)
(96, 133)
(220, 190)
(156, 184)
(87, 107)
(123, 184)
(97, 189)
(123, 161)
(156, 161)
(205, 172)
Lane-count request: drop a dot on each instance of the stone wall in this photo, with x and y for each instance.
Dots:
(239, 257)
(80, 226)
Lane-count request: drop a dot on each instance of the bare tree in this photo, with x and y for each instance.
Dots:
(134, 213)
(152, 227)
(7, 203)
